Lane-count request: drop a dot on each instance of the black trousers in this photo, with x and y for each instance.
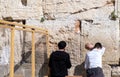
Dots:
(95, 72)
(57, 76)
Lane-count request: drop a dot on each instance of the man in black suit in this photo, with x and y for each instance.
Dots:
(59, 61)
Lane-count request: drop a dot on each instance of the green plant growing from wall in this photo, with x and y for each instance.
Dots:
(113, 16)
(42, 19)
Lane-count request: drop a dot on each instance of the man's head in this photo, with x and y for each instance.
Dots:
(62, 45)
(89, 46)
(98, 45)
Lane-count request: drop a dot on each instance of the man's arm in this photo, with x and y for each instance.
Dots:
(102, 50)
(86, 66)
(68, 62)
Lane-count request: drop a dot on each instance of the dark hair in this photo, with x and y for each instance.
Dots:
(98, 45)
(62, 44)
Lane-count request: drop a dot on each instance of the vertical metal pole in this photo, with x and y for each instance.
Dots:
(33, 54)
(12, 53)
(48, 51)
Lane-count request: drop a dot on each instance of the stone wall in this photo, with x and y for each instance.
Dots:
(59, 16)
(21, 9)
(118, 7)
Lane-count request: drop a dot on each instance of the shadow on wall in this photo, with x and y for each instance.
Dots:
(18, 65)
(41, 59)
(79, 70)
(44, 68)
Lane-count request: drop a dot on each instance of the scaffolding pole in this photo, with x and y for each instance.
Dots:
(33, 53)
(12, 53)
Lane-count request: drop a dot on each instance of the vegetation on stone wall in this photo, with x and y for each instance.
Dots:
(113, 16)
(42, 19)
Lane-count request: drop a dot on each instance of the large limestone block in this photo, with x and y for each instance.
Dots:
(99, 14)
(33, 9)
(77, 6)
(4, 70)
(115, 71)
(71, 6)
(107, 70)
(5, 46)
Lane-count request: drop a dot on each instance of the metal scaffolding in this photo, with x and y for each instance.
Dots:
(33, 29)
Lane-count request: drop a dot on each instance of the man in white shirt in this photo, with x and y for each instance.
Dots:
(93, 61)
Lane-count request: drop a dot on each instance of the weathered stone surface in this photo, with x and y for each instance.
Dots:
(24, 70)
(17, 10)
(101, 31)
(116, 71)
(89, 30)
(107, 70)
(4, 70)
(66, 7)
(59, 18)
(118, 7)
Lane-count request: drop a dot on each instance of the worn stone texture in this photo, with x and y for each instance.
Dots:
(118, 8)
(24, 70)
(66, 7)
(59, 18)
(107, 70)
(17, 10)
(94, 32)
(94, 28)
(4, 70)
(116, 71)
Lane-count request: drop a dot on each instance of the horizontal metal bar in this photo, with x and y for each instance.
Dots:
(24, 29)
(5, 26)
(21, 25)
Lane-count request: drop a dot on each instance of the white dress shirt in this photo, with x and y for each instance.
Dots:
(94, 58)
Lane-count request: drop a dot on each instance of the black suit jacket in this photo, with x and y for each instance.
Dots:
(59, 62)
